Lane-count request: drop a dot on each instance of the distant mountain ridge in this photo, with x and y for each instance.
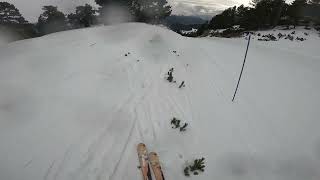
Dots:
(180, 23)
(186, 20)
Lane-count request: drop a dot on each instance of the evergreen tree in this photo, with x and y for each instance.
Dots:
(262, 13)
(312, 10)
(244, 17)
(295, 11)
(151, 11)
(9, 14)
(267, 13)
(51, 20)
(224, 20)
(242, 13)
(278, 9)
(202, 29)
(83, 17)
(12, 22)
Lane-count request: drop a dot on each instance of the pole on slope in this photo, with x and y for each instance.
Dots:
(244, 62)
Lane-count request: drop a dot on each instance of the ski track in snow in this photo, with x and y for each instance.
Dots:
(107, 103)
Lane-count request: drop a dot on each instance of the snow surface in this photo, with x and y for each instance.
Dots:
(73, 106)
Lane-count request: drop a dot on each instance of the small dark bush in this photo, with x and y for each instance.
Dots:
(197, 166)
(268, 37)
(280, 35)
(289, 37)
(300, 39)
(186, 171)
(170, 75)
(176, 124)
(230, 32)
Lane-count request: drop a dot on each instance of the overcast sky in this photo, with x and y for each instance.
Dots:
(31, 9)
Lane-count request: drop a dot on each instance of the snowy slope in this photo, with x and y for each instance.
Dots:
(73, 106)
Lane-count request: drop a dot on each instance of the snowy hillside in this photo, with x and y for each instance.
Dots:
(74, 105)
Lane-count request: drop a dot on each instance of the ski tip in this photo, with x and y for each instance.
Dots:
(141, 145)
(153, 154)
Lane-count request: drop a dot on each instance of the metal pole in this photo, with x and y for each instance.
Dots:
(244, 62)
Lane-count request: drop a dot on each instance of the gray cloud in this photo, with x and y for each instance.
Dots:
(204, 8)
(185, 9)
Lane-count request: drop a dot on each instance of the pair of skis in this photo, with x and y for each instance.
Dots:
(145, 159)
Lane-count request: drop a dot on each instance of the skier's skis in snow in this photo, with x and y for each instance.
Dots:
(144, 162)
(155, 165)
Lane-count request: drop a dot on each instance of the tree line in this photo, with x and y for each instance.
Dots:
(263, 14)
(53, 20)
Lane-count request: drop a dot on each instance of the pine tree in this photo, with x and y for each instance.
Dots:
(151, 11)
(9, 14)
(267, 13)
(12, 22)
(202, 29)
(224, 20)
(295, 10)
(83, 17)
(262, 12)
(277, 10)
(244, 17)
(51, 20)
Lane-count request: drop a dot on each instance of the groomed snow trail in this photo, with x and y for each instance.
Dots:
(74, 105)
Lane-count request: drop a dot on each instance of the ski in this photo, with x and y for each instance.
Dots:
(155, 166)
(144, 162)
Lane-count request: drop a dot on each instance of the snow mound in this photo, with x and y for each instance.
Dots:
(74, 105)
